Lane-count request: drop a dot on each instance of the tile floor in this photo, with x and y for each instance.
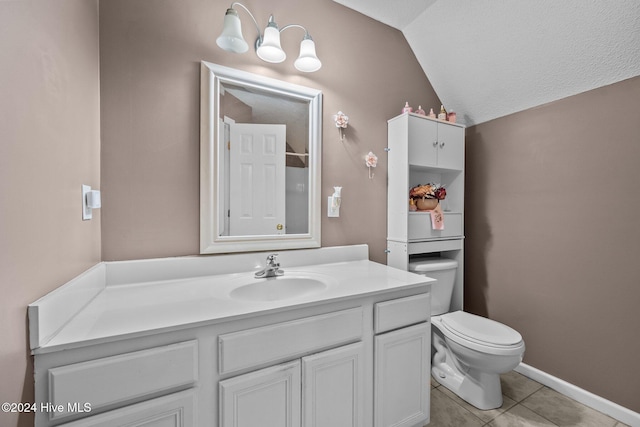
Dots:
(527, 403)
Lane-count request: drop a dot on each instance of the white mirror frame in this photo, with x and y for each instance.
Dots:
(212, 76)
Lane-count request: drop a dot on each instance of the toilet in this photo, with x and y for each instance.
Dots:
(469, 352)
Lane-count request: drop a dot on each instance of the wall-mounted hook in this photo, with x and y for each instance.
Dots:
(342, 121)
(371, 160)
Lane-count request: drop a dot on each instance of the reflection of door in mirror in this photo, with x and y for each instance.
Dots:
(257, 179)
(240, 105)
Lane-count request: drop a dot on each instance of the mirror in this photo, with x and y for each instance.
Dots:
(260, 162)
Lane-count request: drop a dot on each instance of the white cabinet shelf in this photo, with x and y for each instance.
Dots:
(423, 150)
(419, 226)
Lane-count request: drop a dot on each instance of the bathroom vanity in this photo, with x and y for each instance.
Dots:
(198, 341)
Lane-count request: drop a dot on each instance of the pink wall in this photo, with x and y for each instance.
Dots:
(553, 238)
(49, 147)
(150, 54)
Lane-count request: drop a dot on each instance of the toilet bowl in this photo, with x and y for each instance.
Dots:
(469, 352)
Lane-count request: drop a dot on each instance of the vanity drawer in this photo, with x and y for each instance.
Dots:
(177, 409)
(397, 313)
(117, 380)
(419, 224)
(278, 342)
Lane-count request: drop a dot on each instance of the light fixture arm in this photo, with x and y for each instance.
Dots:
(235, 3)
(306, 33)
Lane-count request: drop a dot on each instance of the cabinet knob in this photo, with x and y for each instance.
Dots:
(435, 143)
(441, 144)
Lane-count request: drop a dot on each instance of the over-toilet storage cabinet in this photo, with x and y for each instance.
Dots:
(423, 150)
(357, 362)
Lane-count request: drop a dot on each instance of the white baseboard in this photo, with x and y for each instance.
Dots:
(585, 397)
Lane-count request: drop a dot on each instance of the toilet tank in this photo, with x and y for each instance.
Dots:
(443, 270)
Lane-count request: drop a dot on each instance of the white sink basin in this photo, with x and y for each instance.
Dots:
(280, 288)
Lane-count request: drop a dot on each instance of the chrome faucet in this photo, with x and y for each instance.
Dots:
(272, 269)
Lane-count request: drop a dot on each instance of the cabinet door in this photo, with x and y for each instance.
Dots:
(175, 410)
(450, 147)
(423, 142)
(268, 397)
(333, 383)
(402, 364)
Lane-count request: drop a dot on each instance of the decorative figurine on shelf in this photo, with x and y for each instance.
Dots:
(420, 111)
(443, 113)
(451, 117)
(342, 121)
(371, 160)
(407, 108)
(431, 115)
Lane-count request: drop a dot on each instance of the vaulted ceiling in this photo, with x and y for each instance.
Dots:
(490, 58)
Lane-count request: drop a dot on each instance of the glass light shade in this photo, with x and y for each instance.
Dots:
(231, 38)
(307, 61)
(270, 49)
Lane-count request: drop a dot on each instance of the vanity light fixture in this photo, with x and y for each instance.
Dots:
(268, 44)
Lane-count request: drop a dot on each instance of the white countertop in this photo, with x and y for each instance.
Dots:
(125, 310)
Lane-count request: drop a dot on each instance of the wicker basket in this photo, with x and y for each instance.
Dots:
(426, 204)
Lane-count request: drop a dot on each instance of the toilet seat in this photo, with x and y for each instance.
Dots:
(479, 333)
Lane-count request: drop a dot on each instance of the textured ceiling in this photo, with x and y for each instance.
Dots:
(490, 58)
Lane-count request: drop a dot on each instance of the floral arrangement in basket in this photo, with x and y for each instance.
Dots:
(426, 196)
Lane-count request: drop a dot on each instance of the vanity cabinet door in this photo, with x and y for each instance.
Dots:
(268, 397)
(333, 387)
(402, 361)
